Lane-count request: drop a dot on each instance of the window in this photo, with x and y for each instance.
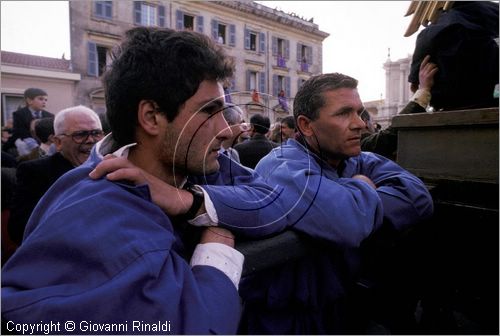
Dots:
(221, 33)
(281, 83)
(253, 81)
(98, 59)
(187, 21)
(281, 47)
(149, 15)
(224, 33)
(254, 40)
(103, 9)
(256, 81)
(304, 56)
(10, 104)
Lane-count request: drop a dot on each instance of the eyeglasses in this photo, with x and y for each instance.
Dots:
(80, 137)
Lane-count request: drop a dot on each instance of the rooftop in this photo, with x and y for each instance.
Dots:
(36, 62)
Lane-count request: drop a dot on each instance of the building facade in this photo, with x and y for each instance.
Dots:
(21, 71)
(397, 90)
(272, 50)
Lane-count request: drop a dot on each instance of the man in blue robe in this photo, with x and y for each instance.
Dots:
(105, 256)
(334, 194)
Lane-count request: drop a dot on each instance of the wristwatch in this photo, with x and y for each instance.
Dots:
(198, 199)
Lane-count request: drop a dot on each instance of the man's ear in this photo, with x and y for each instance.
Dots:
(149, 117)
(304, 125)
(57, 141)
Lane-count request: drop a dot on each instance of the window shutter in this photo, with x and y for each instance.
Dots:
(275, 45)
(215, 30)
(179, 20)
(288, 90)
(299, 83)
(137, 12)
(108, 12)
(262, 42)
(247, 39)
(232, 35)
(287, 49)
(299, 52)
(161, 16)
(93, 62)
(310, 55)
(248, 80)
(276, 87)
(262, 82)
(98, 8)
(199, 24)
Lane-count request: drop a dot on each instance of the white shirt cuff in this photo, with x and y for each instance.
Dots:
(224, 258)
(209, 218)
(422, 97)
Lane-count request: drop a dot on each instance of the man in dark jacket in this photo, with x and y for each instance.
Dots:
(258, 146)
(462, 45)
(77, 129)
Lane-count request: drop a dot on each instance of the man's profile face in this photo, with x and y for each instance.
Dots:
(38, 103)
(338, 127)
(195, 136)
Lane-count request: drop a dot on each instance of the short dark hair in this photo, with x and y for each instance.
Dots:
(44, 128)
(309, 99)
(34, 92)
(161, 65)
(260, 123)
(289, 121)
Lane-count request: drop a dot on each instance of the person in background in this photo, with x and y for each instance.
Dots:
(258, 146)
(337, 196)
(151, 240)
(36, 100)
(234, 118)
(287, 128)
(44, 134)
(463, 43)
(282, 103)
(77, 129)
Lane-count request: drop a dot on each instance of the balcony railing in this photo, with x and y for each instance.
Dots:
(281, 62)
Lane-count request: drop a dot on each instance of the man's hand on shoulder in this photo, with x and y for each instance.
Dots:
(173, 201)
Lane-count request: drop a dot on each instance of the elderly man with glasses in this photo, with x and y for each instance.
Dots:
(76, 130)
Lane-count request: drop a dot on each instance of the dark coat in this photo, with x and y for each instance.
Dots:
(34, 178)
(254, 149)
(462, 45)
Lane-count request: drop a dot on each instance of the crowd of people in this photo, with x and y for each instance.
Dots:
(140, 224)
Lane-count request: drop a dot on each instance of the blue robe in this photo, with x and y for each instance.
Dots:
(101, 252)
(302, 297)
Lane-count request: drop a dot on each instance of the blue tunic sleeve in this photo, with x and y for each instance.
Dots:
(405, 198)
(105, 257)
(319, 203)
(245, 203)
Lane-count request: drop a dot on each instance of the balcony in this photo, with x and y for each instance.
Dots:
(281, 62)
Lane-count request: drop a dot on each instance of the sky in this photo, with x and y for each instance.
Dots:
(360, 34)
